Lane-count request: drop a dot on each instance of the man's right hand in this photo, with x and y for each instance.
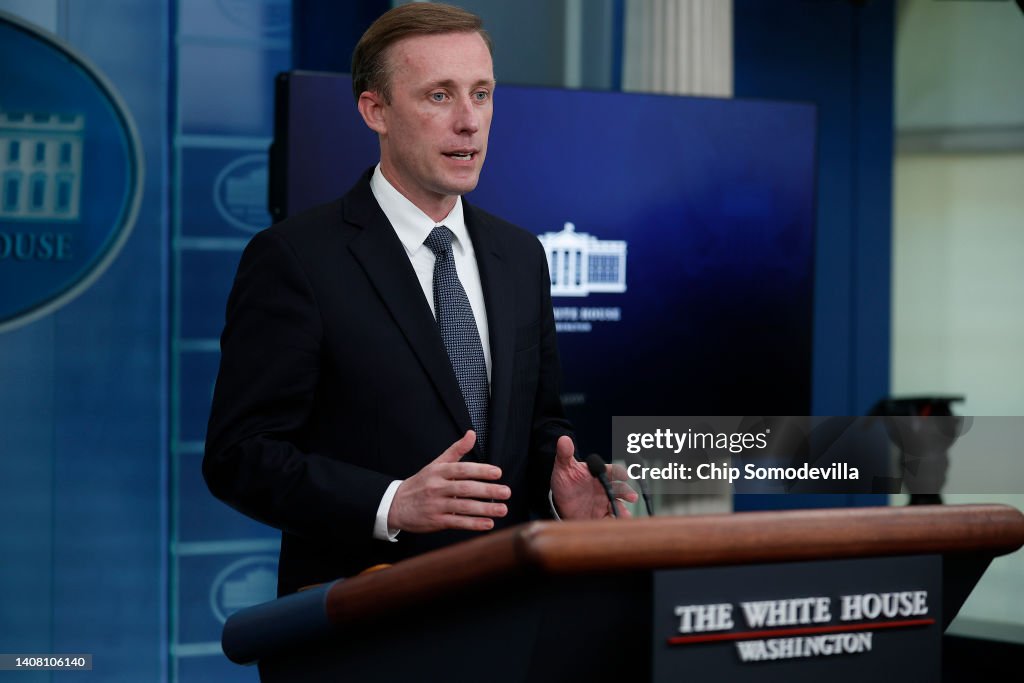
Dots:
(449, 494)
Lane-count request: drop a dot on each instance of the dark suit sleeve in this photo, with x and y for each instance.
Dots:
(255, 457)
(549, 421)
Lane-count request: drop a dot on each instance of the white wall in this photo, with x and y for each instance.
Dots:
(958, 242)
(958, 285)
(959, 64)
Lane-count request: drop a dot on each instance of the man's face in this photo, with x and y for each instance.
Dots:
(433, 133)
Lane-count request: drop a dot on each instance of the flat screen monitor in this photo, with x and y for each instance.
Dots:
(679, 232)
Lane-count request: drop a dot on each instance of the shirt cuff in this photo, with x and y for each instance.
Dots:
(551, 502)
(380, 526)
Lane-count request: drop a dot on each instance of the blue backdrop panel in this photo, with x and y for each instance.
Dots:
(197, 374)
(83, 398)
(711, 202)
(215, 584)
(227, 54)
(210, 72)
(206, 277)
(236, 20)
(839, 56)
(26, 475)
(226, 188)
(214, 667)
(203, 518)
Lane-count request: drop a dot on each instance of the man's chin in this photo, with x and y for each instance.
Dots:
(460, 186)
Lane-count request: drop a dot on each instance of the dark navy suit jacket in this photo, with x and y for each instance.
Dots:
(334, 381)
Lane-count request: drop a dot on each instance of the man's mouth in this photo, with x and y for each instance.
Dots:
(460, 156)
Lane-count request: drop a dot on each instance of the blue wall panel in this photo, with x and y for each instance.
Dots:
(839, 56)
(227, 54)
(205, 281)
(83, 395)
(225, 187)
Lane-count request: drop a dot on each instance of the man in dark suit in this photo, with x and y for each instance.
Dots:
(389, 378)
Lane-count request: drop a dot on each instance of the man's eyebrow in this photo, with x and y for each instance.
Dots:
(450, 84)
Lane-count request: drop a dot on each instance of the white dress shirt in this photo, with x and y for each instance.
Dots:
(412, 227)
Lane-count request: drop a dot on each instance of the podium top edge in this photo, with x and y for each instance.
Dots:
(635, 545)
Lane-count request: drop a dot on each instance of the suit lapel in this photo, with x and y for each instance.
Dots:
(382, 256)
(498, 296)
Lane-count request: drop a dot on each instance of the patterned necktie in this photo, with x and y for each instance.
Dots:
(459, 332)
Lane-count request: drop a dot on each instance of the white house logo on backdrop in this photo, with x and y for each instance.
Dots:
(580, 265)
(243, 583)
(240, 193)
(40, 165)
(70, 173)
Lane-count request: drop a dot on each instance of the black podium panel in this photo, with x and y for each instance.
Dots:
(553, 629)
(841, 621)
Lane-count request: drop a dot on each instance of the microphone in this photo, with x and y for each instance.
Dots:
(599, 471)
(644, 492)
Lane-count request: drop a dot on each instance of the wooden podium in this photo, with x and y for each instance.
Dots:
(576, 601)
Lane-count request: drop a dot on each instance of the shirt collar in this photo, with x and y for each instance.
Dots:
(410, 223)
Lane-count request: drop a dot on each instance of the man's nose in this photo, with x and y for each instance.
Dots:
(467, 116)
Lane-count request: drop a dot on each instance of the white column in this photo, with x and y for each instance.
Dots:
(679, 47)
(573, 77)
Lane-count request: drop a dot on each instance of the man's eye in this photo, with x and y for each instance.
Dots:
(480, 96)
(437, 96)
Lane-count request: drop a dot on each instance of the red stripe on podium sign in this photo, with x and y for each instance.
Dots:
(803, 631)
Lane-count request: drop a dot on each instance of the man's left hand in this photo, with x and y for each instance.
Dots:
(577, 494)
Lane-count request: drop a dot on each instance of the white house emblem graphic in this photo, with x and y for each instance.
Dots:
(40, 166)
(582, 264)
(243, 583)
(240, 193)
(71, 170)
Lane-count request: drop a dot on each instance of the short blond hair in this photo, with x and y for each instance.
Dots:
(371, 69)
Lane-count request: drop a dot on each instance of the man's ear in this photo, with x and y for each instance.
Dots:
(371, 108)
